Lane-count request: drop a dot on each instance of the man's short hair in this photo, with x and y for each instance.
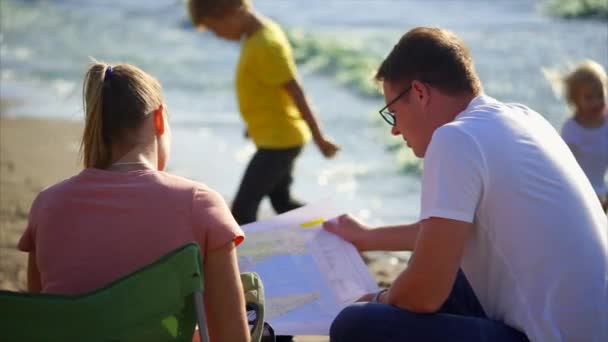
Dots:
(432, 55)
(201, 9)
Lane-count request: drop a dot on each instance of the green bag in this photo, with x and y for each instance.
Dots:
(254, 298)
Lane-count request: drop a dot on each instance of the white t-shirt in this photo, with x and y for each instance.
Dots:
(538, 256)
(590, 148)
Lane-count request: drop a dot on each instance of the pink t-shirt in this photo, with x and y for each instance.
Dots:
(100, 225)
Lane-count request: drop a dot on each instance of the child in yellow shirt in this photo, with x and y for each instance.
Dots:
(271, 101)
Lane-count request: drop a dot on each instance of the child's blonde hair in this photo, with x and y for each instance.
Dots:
(587, 72)
(116, 100)
(201, 9)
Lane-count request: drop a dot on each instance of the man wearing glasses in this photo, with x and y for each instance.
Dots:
(511, 244)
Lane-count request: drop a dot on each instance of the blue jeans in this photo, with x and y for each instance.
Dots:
(461, 318)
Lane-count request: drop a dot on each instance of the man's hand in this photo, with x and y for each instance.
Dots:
(348, 228)
(327, 147)
(369, 297)
(366, 297)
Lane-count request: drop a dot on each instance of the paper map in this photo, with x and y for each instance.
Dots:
(309, 275)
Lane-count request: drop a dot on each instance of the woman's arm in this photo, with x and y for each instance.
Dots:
(34, 285)
(224, 298)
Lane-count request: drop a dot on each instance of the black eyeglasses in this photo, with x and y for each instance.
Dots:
(386, 114)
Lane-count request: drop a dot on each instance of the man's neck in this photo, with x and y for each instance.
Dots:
(456, 105)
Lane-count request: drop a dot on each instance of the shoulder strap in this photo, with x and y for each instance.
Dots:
(254, 298)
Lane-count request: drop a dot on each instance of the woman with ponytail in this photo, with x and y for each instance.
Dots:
(123, 211)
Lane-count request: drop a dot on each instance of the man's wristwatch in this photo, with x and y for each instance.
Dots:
(376, 298)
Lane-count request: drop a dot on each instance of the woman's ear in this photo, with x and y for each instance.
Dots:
(159, 121)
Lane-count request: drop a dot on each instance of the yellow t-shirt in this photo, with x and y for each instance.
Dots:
(265, 65)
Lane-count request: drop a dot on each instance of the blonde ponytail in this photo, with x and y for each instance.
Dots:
(95, 151)
(116, 101)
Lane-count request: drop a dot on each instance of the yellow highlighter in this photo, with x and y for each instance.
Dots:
(312, 223)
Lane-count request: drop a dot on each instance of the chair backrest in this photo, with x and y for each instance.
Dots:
(154, 303)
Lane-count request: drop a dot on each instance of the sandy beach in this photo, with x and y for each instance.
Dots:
(36, 153)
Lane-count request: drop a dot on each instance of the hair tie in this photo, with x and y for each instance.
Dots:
(108, 72)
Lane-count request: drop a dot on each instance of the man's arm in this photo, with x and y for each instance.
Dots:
(428, 280)
(328, 148)
(392, 238)
(365, 238)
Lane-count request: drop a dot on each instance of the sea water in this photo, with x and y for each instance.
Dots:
(45, 48)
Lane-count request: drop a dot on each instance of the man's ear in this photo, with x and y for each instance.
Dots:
(159, 122)
(421, 90)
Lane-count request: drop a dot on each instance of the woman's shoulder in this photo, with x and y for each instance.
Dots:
(180, 181)
(202, 195)
(199, 189)
(56, 192)
(61, 186)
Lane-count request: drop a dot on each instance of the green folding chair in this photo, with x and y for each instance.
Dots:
(159, 302)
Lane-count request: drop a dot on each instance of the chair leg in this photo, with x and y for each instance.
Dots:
(200, 317)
